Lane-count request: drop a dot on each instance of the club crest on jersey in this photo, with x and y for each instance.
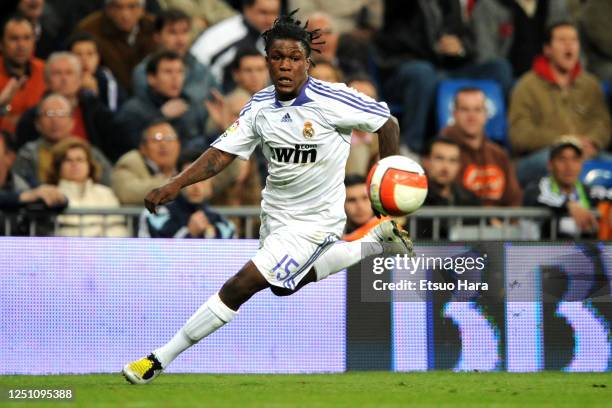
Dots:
(308, 131)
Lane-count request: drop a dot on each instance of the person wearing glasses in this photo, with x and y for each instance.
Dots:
(54, 122)
(148, 166)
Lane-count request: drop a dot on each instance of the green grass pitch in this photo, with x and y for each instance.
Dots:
(362, 389)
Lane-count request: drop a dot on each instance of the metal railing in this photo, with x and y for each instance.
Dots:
(462, 223)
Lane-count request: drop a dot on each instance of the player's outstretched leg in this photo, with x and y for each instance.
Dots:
(345, 254)
(215, 313)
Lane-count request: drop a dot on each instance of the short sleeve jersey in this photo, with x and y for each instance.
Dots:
(306, 142)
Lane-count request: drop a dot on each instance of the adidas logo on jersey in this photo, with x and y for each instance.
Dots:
(286, 118)
(301, 154)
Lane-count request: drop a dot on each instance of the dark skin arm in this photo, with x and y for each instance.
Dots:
(210, 163)
(388, 138)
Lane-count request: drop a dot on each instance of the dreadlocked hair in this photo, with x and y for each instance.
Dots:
(288, 27)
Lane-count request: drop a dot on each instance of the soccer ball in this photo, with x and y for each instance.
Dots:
(397, 186)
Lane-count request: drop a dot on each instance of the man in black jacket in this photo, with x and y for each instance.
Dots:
(422, 42)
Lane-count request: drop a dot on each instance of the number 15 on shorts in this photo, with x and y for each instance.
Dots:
(285, 268)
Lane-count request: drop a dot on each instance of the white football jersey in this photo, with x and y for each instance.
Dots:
(306, 142)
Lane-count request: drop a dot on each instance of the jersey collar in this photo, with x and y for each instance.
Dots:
(300, 100)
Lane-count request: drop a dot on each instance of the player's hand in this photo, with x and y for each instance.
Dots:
(161, 195)
(174, 108)
(585, 220)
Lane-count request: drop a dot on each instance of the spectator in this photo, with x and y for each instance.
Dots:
(97, 79)
(554, 99)
(47, 25)
(54, 122)
(217, 46)
(204, 13)
(189, 216)
(443, 165)
(249, 70)
(325, 71)
(165, 98)
(349, 15)
(92, 121)
(329, 36)
(15, 191)
(124, 33)
(140, 170)
(364, 145)
(563, 192)
(76, 173)
(514, 29)
(486, 169)
(360, 218)
(21, 75)
(172, 34)
(596, 37)
(420, 43)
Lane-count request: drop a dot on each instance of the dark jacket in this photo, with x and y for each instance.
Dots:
(459, 197)
(411, 30)
(98, 121)
(546, 193)
(109, 91)
(171, 221)
(138, 112)
(115, 51)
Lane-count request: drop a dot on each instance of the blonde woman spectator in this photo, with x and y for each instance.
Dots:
(76, 174)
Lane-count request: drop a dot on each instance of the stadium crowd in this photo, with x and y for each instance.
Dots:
(100, 101)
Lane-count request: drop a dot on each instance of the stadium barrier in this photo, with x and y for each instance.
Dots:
(548, 306)
(463, 223)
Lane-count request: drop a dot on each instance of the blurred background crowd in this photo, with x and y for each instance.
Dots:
(506, 103)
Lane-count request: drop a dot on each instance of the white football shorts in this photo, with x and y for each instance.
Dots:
(287, 253)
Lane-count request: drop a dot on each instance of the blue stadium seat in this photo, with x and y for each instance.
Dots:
(597, 173)
(496, 127)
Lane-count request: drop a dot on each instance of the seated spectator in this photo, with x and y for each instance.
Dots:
(594, 25)
(97, 79)
(325, 71)
(514, 29)
(54, 122)
(165, 98)
(554, 99)
(563, 192)
(15, 192)
(189, 216)
(76, 173)
(329, 36)
(19, 70)
(349, 16)
(152, 164)
(249, 70)
(91, 118)
(47, 25)
(442, 166)
(486, 169)
(360, 218)
(124, 33)
(172, 34)
(364, 145)
(218, 44)
(422, 42)
(204, 13)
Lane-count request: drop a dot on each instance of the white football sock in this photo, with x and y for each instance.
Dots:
(344, 254)
(208, 318)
